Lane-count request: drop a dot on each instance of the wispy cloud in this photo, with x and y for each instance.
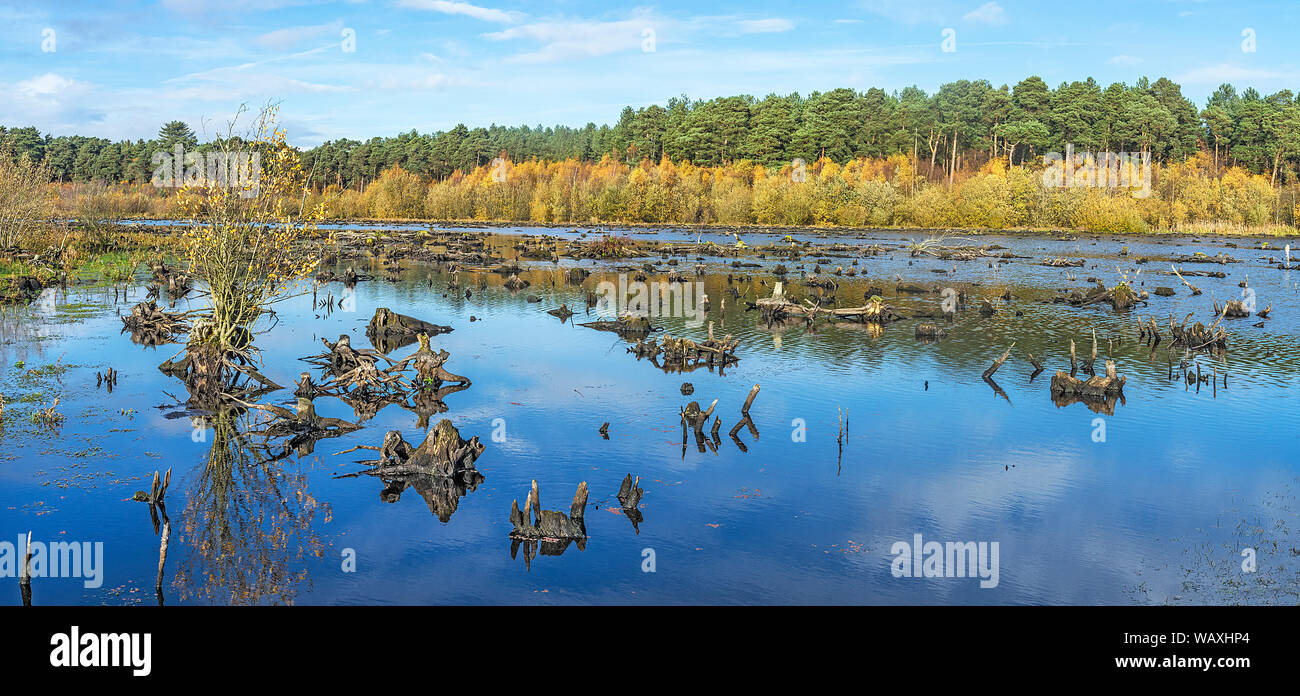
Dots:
(486, 14)
(291, 36)
(988, 13)
(576, 39)
(765, 26)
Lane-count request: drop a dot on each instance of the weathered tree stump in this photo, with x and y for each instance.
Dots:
(549, 524)
(442, 453)
(1097, 386)
(151, 326)
(389, 330)
(624, 326)
(629, 494)
(563, 312)
(929, 332)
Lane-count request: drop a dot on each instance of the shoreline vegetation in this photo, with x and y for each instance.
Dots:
(1186, 198)
(970, 158)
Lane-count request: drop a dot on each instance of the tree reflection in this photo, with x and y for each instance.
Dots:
(248, 523)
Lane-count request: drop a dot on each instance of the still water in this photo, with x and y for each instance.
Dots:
(1153, 504)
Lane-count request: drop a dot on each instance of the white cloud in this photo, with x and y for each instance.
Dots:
(1123, 59)
(765, 26)
(486, 14)
(563, 40)
(49, 101)
(417, 81)
(48, 88)
(289, 36)
(988, 13)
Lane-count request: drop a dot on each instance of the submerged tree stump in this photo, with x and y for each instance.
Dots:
(429, 370)
(1233, 309)
(629, 494)
(151, 326)
(442, 453)
(685, 353)
(389, 330)
(1095, 387)
(628, 324)
(535, 523)
(20, 290)
(1121, 297)
(563, 312)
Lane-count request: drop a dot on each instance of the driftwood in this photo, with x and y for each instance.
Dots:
(874, 311)
(342, 357)
(988, 374)
(1038, 366)
(301, 425)
(749, 400)
(549, 524)
(106, 378)
(777, 307)
(695, 418)
(348, 277)
(683, 353)
(209, 372)
(1195, 290)
(367, 388)
(1220, 258)
(174, 282)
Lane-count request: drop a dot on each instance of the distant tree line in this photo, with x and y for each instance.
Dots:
(963, 124)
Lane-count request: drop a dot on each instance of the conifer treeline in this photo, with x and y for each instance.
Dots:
(961, 126)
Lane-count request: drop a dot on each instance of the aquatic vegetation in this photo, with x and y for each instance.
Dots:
(48, 417)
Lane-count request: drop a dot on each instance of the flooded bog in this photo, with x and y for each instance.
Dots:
(864, 445)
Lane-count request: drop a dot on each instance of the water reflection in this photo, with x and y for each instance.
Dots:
(441, 494)
(935, 450)
(249, 522)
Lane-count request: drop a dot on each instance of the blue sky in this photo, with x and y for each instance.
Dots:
(120, 68)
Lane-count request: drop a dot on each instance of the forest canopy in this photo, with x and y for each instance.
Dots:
(963, 125)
